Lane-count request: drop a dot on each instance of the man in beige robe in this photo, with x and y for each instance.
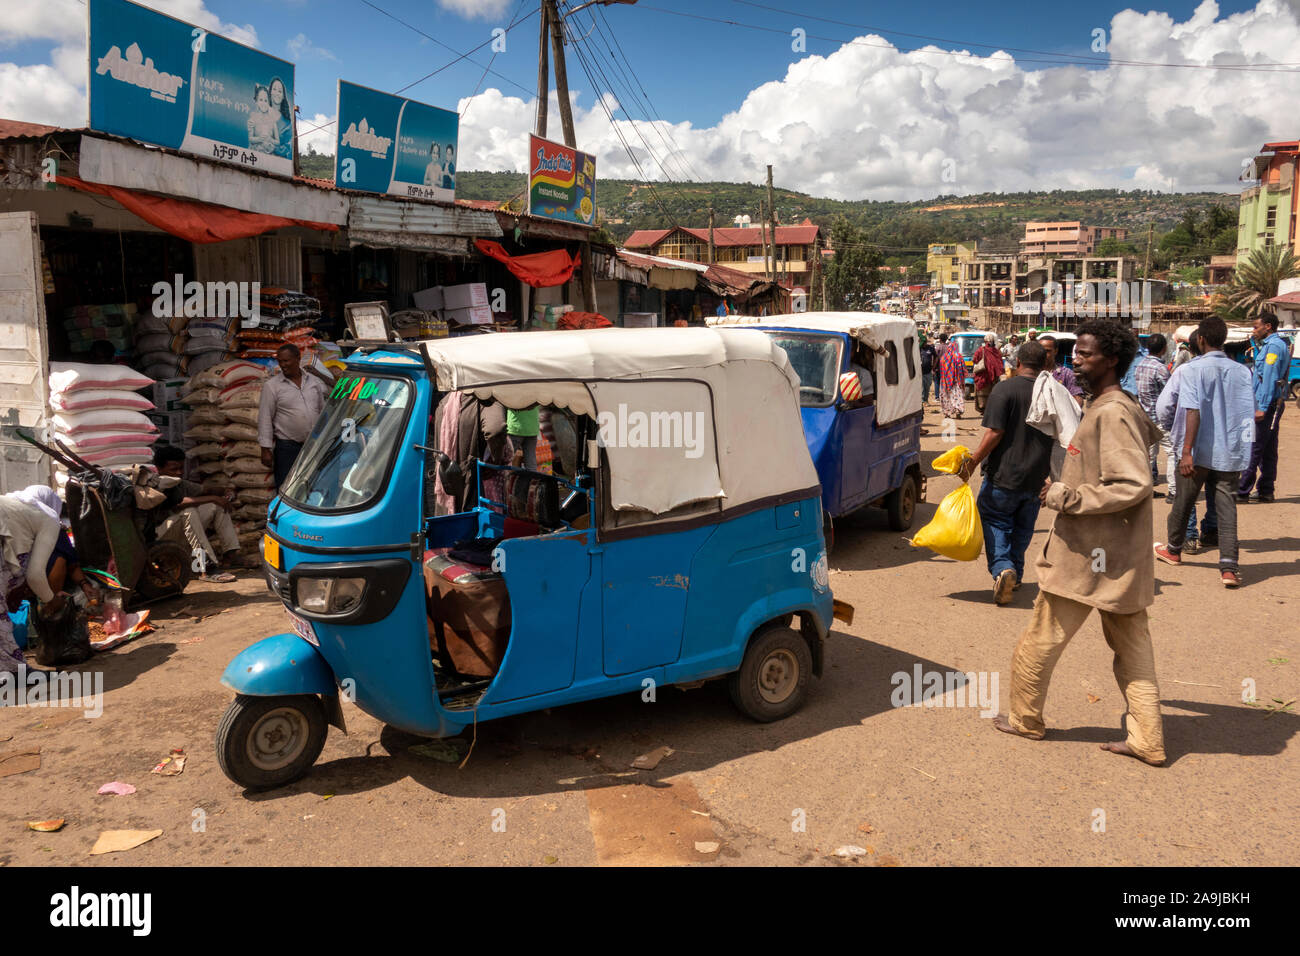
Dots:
(1098, 553)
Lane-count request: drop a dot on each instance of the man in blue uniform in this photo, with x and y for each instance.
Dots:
(1272, 366)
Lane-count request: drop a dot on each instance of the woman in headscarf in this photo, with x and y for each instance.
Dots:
(64, 564)
(952, 379)
(988, 369)
(28, 535)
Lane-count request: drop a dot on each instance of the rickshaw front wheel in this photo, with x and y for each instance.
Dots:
(773, 678)
(267, 742)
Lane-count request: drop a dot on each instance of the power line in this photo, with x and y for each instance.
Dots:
(1063, 60)
(514, 20)
(459, 57)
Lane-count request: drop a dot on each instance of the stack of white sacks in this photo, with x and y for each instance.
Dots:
(225, 455)
(99, 413)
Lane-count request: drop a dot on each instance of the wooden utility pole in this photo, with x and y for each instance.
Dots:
(762, 235)
(551, 18)
(711, 248)
(771, 212)
(1146, 266)
(543, 77)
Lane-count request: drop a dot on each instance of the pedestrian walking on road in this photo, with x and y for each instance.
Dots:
(1172, 421)
(988, 370)
(1018, 457)
(1149, 379)
(1272, 370)
(929, 361)
(1096, 555)
(1215, 394)
(1060, 371)
(952, 379)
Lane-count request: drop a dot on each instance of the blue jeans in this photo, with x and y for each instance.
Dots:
(1209, 524)
(1008, 518)
(927, 381)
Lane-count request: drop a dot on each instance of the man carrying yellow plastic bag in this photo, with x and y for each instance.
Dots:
(955, 530)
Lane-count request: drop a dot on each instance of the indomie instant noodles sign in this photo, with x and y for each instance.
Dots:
(561, 182)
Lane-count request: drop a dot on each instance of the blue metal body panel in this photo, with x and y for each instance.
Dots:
(589, 618)
(857, 462)
(278, 665)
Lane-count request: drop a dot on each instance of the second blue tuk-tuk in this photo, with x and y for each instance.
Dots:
(677, 539)
(867, 447)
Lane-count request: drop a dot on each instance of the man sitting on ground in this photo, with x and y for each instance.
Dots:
(191, 514)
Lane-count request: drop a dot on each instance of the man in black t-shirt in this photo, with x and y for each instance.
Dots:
(1017, 458)
(929, 361)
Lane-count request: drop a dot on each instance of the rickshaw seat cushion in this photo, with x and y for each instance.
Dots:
(473, 606)
(439, 563)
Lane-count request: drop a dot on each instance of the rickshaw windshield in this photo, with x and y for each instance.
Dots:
(345, 462)
(816, 360)
(969, 344)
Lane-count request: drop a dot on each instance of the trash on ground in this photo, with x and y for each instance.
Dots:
(172, 764)
(115, 841)
(19, 760)
(706, 846)
(443, 750)
(117, 787)
(651, 760)
(849, 852)
(45, 826)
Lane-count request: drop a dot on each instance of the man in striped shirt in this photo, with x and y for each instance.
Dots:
(1150, 376)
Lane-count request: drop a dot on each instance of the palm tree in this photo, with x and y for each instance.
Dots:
(1256, 281)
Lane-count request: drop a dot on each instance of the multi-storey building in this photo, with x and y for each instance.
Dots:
(738, 248)
(1270, 205)
(1066, 238)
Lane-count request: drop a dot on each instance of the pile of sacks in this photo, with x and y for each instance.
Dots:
(99, 413)
(225, 454)
(174, 346)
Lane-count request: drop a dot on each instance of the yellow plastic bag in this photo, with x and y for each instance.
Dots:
(955, 530)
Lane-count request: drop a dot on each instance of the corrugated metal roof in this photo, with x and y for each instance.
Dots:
(16, 129)
(800, 235)
(378, 215)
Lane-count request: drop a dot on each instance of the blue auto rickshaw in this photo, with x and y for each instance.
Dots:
(677, 539)
(867, 446)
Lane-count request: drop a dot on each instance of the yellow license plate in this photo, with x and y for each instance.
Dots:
(271, 551)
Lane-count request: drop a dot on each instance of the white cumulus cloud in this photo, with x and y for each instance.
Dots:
(476, 9)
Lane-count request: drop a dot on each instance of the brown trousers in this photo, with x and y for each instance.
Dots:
(1056, 619)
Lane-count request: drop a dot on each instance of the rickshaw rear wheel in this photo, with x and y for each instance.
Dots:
(167, 570)
(901, 504)
(773, 678)
(267, 742)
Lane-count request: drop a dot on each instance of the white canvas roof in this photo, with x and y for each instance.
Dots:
(874, 330)
(730, 417)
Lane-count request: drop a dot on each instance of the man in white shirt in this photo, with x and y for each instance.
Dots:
(291, 403)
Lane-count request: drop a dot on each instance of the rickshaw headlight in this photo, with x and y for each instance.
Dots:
(330, 595)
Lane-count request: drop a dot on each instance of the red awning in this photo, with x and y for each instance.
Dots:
(193, 221)
(541, 270)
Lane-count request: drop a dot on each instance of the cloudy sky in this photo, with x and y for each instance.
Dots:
(848, 100)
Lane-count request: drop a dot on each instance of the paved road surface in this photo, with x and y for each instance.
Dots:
(913, 786)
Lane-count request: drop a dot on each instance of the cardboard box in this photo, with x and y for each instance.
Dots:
(430, 299)
(167, 394)
(477, 315)
(470, 295)
(171, 427)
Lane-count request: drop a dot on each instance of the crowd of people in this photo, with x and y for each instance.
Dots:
(1120, 411)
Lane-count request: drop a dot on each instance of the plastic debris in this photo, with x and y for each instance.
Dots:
(849, 852)
(707, 846)
(652, 759)
(172, 764)
(46, 826)
(118, 788)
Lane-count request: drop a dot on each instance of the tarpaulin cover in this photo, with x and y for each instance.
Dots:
(193, 221)
(583, 320)
(541, 270)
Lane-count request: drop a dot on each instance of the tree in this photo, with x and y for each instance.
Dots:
(1256, 281)
(1111, 246)
(853, 271)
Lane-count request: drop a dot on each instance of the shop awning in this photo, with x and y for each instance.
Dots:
(541, 270)
(193, 221)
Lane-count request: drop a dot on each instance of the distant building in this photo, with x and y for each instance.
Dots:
(1271, 205)
(1220, 269)
(1066, 238)
(737, 248)
(1000, 280)
(943, 261)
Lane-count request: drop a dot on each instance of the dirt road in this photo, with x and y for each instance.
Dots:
(909, 785)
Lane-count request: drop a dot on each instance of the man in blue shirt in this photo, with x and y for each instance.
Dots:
(1272, 368)
(1219, 425)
